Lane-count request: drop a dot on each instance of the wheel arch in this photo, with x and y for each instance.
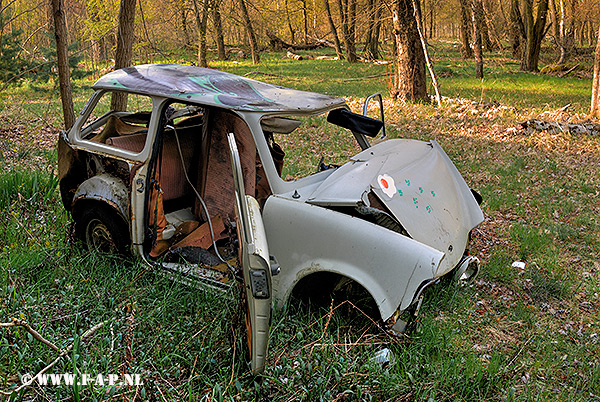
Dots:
(106, 190)
(325, 283)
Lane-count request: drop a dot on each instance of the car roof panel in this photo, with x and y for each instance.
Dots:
(213, 88)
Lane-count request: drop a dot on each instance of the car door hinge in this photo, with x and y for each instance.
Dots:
(275, 267)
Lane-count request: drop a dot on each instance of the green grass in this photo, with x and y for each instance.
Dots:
(34, 187)
(514, 334)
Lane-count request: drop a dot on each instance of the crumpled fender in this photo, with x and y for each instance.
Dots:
(307, 239)
(105, 188)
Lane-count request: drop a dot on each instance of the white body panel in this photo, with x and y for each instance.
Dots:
(306, 239)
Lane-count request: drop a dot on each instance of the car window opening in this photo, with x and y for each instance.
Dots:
(310, 144)
(111, 126)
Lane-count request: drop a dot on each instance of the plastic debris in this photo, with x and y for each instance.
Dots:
(519, 264)
(384, 357)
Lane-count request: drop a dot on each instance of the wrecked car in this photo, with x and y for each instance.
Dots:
(191, 176)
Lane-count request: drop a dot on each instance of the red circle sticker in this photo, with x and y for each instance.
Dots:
(386, 183)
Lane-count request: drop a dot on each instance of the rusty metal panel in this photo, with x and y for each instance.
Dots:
(105, 187)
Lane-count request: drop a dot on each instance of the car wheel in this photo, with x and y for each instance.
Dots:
(101, 229)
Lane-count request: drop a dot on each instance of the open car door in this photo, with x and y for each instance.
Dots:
(254, 260)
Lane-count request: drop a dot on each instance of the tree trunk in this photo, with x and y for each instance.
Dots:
(250, 30)
(478, 11)
(289, 22)
(374, 45)
(558, 22)
(372, 35)
(431, 20)
(336, 39)
(595, 108)
(465, 29)
(305, 17)
(186, 35)
(345, 16)
(352, 29)
(124, 49)
(434, 81)
(534, 34)
(497, 40)
(370, 22)
(561, 33)
(476, 19)
(2, 26)
(410, 60)
(201, 22)
(218, 25)
(64, 76)
(517, 30)
(97, 46)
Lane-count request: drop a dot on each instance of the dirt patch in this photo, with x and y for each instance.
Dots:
(26, 144)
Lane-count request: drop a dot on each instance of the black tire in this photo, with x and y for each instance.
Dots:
(100, 228)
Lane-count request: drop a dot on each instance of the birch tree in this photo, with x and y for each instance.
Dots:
(411, 84)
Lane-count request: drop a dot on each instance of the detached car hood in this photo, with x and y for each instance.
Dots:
(419, 185)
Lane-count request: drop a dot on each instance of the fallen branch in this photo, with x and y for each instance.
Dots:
(20, 323)
(507, 367)
(569, 71)
(291, 55)
(556, 128)
(368, 77)
(254, 73)
(277, 43)
(62, 354)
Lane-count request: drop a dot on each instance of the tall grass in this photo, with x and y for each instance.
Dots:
(33, 187)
